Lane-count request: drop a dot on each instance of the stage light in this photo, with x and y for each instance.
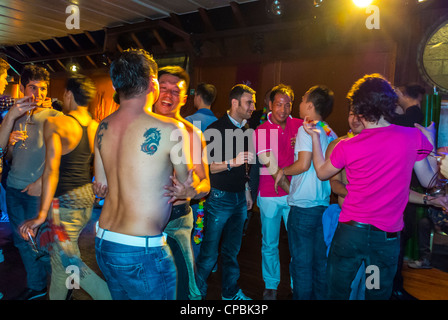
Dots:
(362, 3)
(73, 68)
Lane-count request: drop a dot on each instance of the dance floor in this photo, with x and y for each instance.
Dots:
(428, 284)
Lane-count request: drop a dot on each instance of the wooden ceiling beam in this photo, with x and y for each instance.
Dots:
(137, 41)
(61, 64)
(89, 36)
(206, 19)
(59, 44)
(33, 49)
(237, 13)
(20, 51)
(91, 61)
(50, 67)
(159, 39)
(45, 47)
(74, 41)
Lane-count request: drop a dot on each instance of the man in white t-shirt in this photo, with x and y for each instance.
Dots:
(308, 198)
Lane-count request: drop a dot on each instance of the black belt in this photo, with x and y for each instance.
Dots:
(179, 210)
(370, 227)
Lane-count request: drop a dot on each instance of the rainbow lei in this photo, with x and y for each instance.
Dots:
(199, 223)
(326, 129)
(264, 115)
(350, 134)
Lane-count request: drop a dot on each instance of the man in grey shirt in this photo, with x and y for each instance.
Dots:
(24, 183)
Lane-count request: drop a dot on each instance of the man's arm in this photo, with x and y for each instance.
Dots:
(100, 183)
(336, 182)
(17, 110)
(324, 168)
(270, 161)
(50, 177)
(240, 159)
(421, 198)
(201, 169)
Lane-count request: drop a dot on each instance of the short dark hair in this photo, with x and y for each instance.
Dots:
(34, 73)
(322, 98)
(4, 66)
(282, 89)
(131, 72)
(372, 97)
(176, 71)
(414, 90)
(82, 88)
(238, 90)
(207, 92)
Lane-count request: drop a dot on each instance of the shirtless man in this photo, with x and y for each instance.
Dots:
(174, 83)
(69, 141)
(134, 159)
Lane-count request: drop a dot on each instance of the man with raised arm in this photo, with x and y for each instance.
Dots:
(136, 152)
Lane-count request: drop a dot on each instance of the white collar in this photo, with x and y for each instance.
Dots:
(236, 123)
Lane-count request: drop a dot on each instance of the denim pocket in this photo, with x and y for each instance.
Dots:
(132, 275)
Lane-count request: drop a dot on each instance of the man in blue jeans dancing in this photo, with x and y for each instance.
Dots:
(229, 198)
(134, 159)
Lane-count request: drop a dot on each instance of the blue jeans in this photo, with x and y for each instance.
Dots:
(350, 247)
(225, 214)
(137, 273)
(308, 253)
(22, 207)
(179, 240)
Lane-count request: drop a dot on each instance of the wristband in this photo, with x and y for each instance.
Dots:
(425, 199)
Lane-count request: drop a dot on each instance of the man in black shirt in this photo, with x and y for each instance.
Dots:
(409, 100)
(230, 198)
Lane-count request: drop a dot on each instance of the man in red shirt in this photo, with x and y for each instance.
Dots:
(277, 133)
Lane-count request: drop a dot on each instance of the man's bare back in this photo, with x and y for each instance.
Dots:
(134, 151)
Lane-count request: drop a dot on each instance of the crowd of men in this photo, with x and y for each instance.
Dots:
(177, 191)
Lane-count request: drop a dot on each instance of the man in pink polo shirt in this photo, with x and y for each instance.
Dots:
(276, 134)
(378, 163)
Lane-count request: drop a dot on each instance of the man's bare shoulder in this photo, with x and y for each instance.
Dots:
(192, 129)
